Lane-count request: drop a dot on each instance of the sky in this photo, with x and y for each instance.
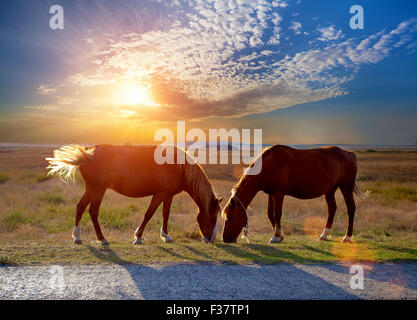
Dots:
(120, 70)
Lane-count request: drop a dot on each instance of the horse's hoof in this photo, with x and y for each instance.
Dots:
(347, 239)
(78, 241)
(322, 238)
(103, 242)
(276, 239)
(167, 239)
(137, 241)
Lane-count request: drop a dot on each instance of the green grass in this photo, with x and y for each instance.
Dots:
(34, 176)
(4, 177)
(6, 259)
(13, 221)
(395, 192)
(298, 249)
(116, 218)
(51, 198)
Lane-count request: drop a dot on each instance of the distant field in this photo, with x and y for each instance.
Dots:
(37, 216)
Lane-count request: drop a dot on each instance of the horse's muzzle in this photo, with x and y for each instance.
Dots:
(213, 235)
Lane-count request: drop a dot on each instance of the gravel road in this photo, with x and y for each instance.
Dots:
(207, 281)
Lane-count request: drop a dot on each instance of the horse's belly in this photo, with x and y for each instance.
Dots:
(138, 188)
(311, 188)
(132, 192)
(306, 194)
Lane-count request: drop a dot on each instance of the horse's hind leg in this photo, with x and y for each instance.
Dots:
(165, 214)
(270, 211)
(278, 201)
(96, 198)
(351, 207)
(155, 202)
(81, 206)
(331, 210)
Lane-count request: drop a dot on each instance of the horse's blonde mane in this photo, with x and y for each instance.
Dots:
(199, 184)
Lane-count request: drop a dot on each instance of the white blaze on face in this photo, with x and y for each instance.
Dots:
(213, 235)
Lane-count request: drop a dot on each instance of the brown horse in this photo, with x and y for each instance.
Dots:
(303, 174)
(132, 171)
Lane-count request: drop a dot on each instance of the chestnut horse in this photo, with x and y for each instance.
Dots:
(132, 171)
(303, 174)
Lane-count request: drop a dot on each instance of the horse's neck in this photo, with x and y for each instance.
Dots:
(200, 189)
(247, 191)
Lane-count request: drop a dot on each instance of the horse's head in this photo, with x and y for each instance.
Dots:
(207, 221)
(235, 218)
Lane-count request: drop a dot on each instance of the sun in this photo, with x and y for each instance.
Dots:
(134, 95)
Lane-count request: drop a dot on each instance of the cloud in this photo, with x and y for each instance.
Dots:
(296, 27)
(44, 89)
(329, 33)
(43, 108)
(66, 100)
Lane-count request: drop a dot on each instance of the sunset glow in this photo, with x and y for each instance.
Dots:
(134, 95)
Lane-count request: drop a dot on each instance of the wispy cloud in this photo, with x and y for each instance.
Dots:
(44, 89)
(296, 27)
(66, 100)
(329, 33)
(42, 108)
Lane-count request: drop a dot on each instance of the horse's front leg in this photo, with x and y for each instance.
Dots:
(278, 200)
(155, 202)
(165, 214)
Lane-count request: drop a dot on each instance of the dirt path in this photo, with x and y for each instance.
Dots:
(207, 281)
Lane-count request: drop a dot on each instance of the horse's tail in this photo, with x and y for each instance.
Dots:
(361, 195)
(67, 159)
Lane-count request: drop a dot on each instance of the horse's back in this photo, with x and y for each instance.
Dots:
(308, 173)
(132, 171)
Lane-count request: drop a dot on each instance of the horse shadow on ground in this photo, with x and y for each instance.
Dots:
(223, 281)
(389, 272)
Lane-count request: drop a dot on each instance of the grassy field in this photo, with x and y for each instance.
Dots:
(37, 216)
